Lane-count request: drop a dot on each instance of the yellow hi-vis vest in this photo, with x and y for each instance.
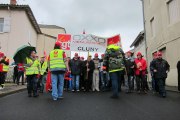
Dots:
(33, 69)
(115, 47)
(44, 67)
(56, 60)
(6, 67)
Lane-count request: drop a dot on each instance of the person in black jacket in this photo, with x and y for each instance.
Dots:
(88, 72)
(178, 70)
(130, 72)
(82, 83)
(75, 67)
(154, 81)
(3, 61)
(160, 68)
(15, 74)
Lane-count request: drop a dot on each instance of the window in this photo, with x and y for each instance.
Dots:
(1, 24)
(152, 27)
(173, 11)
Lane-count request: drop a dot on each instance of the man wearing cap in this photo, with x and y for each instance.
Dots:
(82, 82)
(32, 73)
(20, 73)
(88, 72)
(129, 82)
(58, 68)
(140, 72)
(75, 68)
(160, 68)
(154, 81)
(44, 70)
(5, 68)
(114, 61)
(103, 75)
(95, 84)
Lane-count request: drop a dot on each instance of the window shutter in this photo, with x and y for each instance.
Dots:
(7, 24)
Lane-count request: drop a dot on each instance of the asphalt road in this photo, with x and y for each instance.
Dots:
(90, 106)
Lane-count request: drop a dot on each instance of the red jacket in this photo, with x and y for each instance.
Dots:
(141, 65)
(1, 68)
(20, 67)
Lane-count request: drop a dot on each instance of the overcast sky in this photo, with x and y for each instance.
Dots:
(99, 17)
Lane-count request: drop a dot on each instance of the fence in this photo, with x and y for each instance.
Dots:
(9, 77)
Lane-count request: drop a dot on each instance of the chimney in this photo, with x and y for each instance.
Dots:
(13, 2)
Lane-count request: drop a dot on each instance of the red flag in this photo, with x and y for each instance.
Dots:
(48, 82)
(64, 38)
(114, 40)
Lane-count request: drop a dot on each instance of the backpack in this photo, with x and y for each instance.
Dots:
(115, 59)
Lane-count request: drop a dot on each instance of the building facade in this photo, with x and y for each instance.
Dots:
(139, 45)
(162, 26)
(47, 39)
(18, 27)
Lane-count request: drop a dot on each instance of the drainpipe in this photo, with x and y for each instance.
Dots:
(144, 25)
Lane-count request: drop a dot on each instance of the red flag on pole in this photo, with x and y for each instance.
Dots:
(114, 40)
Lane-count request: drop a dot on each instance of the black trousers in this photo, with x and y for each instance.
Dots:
(88, 82)
(179, 80)
(161, 85)
(82, 81)
(20, 74)
(32, 84)
(15, 77)
(2, 78)
(140, 82)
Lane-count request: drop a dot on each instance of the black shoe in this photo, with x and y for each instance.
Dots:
(114, 97)
(164, 95)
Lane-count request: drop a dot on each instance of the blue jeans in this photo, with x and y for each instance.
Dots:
(129, 83)
(104, 79)
(57, 85)
(75, 82)
(116, 79)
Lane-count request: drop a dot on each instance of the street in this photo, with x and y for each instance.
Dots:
(90, 106)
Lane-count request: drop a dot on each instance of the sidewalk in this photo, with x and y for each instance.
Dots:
(11, 88)
(172, 88)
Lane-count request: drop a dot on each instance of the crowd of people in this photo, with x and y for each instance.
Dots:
(113, 70)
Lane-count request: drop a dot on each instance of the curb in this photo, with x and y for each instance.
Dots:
(173, 91)
(12, 92)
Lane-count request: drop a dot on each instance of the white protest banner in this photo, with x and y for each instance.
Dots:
(88, 43)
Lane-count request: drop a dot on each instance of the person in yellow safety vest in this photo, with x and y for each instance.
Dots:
(32, 73)
(114, 63)
(4, 63)
(58, 67)
(44, 69)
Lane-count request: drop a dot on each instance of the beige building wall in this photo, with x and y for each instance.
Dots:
(21, 32)
(44, 43)
(52, 31)
(162, 34)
